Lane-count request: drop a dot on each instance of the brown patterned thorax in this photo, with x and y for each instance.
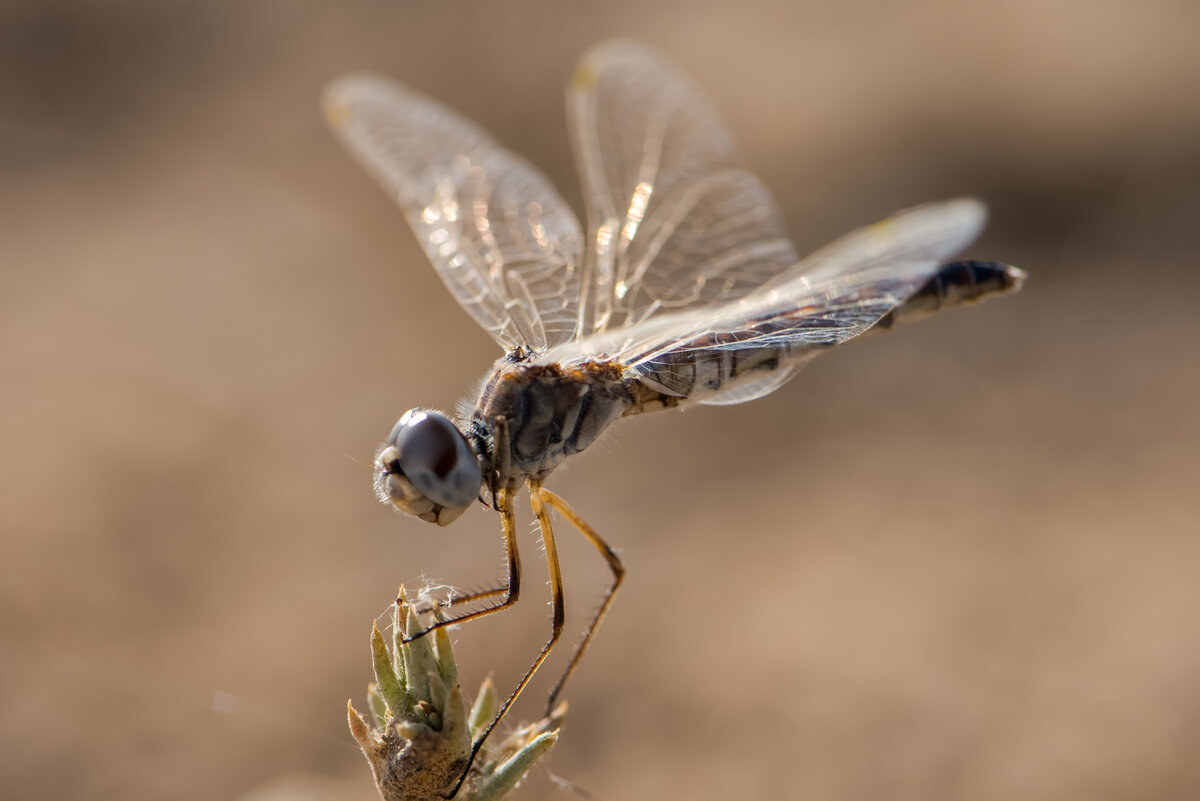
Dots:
(548, 413)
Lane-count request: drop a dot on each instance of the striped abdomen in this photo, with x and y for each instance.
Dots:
(734, 367)
(953, 285)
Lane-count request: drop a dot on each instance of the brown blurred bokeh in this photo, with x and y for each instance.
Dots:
(959, 562)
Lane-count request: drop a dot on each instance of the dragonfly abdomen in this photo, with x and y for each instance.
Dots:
(954, 284)
(733, 367)
(711, 367)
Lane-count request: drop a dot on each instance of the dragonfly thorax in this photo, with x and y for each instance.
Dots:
(528, 418)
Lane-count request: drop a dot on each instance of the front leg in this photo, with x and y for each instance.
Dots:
(512, 589)
(457, 599)
(501, 456)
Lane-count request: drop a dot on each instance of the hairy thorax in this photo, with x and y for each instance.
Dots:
(545, 413)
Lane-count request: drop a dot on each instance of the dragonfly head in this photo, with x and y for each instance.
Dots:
(427, 468)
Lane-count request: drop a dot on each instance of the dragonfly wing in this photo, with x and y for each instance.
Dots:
(497, 232)
(674, 220)
(735, 352)
(723, 353)
(929, 232)
(754, 388)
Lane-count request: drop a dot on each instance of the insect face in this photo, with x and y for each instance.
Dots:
(427, 469)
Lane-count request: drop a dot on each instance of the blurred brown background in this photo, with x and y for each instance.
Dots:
(959, 562)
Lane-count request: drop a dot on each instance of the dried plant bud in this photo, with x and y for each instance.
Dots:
(422, 735)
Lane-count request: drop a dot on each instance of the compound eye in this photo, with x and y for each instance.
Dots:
(427, 442)
(435, 457)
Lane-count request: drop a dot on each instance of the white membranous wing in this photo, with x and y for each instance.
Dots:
(674, 220)
(929, 232)
(496, 230)
(833, 296)
(746, 348)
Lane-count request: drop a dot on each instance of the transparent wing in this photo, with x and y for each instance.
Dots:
(498, 233)
(753, 388)
(674, 220)
(738, 351)
(930, 232)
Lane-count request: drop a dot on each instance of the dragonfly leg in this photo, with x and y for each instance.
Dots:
(502, 447)
(465, 598)
(511, 590)
(618, 571)
(501, 450)
(536, 500)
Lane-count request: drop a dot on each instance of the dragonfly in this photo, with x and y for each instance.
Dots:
(683, 289)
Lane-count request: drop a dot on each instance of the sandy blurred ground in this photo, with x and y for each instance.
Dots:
(955, 563)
